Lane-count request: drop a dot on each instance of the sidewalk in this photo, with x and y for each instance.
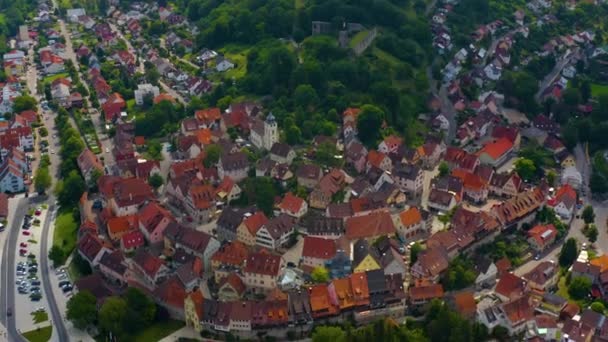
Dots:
(185, 332)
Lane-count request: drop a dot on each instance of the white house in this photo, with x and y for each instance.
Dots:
(224, 65)
(144, 90)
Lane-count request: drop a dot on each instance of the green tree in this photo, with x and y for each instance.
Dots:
(112, 315)
(43, 132)
(551, 176)
(71, 189)
(306, 97)
(588, 214)
(56, 255)
(24, 102)
(156, 180)
(82, 309)
(369, 124)
(320, 274)
(525, 168)
(598, 307)
(326, 155)
(444, 169)
(579, 287)
(141, 310)
(261, 191)
(414, 251)
(568, 253)
(328, 334)
(460, 274)
(42, 180)
(591, 233)
(212, 155)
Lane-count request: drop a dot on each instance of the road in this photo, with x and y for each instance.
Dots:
(7, 284)
(555, 73)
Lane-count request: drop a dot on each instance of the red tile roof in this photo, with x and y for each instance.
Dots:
(255, 222)
(543, 234)
(234, 253)
(263, 263)
(171, 292)
(319, 248)
(426, 292)
(374, 224)
(132, 239)
(291, 203)
(149, 263)
(510, 286)
(497, 148)
(375, 158)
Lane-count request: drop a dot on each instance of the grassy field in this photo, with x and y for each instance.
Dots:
(598, 89)
(39, 335)
(157, 331)
(65, 232)
(238, 56)
(40, 316)
(51, 78)
(386, 57)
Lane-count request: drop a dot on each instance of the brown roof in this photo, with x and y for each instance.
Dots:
(291, 203)
(374, 224)
(3, 205)
(308, 171)
(171, 292)
(510, 286)
(235, 282)
(465, 303)
(263, 263)
(149, 263)
(426, 292)
(132, 191)
(315, 247)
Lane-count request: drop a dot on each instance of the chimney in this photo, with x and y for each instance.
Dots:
(130, 196)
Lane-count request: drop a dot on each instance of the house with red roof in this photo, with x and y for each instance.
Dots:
(228, 191)
(128, 195)
(542, 236)
(317, 251)
(370, 226)
(114, 105)
(412, 223)
(276, 233)
(91, 248)
(495, 153)
(231, 288)
(153, 220)
(228, 259)
(390, 144)
(200, 202)
(149, 269)
(378, 160)
(510, 287)
(475, 188)
(131, 241)
(209, 118)
(564, 202)
(88, 163)
(509, 132)
(293, 205)
(249, 227)
(505, 184)
(262, 270)
(320, 302)
(170, 295)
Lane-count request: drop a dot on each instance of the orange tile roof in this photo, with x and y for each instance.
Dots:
(291, 203)
(163, 97)
(209, 114)
(539, 233)
(233, 253)
(197, 298)
(354, 112)
(497, 148)
(255, 222)
(203, 136)
(319, 301)
(510, 285)
(393, 140)
(601, 262)
(375, 158)
(469, 179)
(465, 303)
(426, 292)
(121, 225)
(358, 282)
(344, 295)
(410, 216)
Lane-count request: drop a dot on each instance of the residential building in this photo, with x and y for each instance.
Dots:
(276, 232)
(143, 91)
(264, 133)
(88, 163)
(541, 237)
(235, 166)
(262, 270)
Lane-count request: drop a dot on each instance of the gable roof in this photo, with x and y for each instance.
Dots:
(373, 224)
(497, 148)
(291, 203)
(510, 286)
(319, 248)
(255, 222)
(410, 217)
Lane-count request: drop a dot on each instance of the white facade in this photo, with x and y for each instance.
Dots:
(143, 90)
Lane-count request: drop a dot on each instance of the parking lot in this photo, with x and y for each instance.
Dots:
(30, 297)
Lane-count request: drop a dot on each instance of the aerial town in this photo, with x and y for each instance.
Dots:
(304, 170)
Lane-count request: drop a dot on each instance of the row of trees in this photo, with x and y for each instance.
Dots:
(121, 316)
(70, 187)
(440, 324)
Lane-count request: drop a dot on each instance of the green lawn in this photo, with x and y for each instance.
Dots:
(238, 56)
(40, 316)
(39, 335)
(598, 89)
(51, 78)
(358, 38)
(65, 232)
(157, 331)
(386, 57)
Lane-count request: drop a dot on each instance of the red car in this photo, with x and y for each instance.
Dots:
(26, 233)
(22, 251)
(23, 244)
(37, 212)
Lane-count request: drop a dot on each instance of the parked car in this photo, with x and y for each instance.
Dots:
(23, 244)
(64, 283)
(26, 233)
(66, 288)
(22, 251)
(35, 283)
